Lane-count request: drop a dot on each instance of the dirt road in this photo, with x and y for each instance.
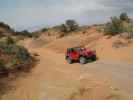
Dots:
(54, 79)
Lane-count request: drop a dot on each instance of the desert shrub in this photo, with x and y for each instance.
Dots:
(72, 25)
(69, 26)
(24, 33)
(14, 57)
(18, 52)
(36, 34)
(2, 45)
(22, 54)
(10, 40)
(124, 17)
(12, 64)
(63, 28)
(129, 29)
(2, 65)
(114, 27)
(44, 29)
(8, 49)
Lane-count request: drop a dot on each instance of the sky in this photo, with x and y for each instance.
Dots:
(35, 14)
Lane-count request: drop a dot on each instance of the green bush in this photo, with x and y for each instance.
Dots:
(35, 35)
(72, 25)
(69, 26)
(124, 17)
(114, 27)
(7, 44)
(10, 48)
(24, 33)
(15, 56)
(44, 29)
(63, 28)
(129, 29)
(3, 45)
(22, 54)
(13, 63)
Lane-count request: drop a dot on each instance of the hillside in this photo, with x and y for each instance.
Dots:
(5, 29)
(114, 47)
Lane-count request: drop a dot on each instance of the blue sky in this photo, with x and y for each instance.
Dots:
(34, 14)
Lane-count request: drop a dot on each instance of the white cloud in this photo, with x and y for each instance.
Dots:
(45, 12)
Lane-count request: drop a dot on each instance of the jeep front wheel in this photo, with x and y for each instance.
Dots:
(69, 60)
(82, 60)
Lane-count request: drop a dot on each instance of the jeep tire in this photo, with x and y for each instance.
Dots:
(69, 60)
(82, 60)
(94, 58)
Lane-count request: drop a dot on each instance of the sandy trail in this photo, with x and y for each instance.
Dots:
(54, 79)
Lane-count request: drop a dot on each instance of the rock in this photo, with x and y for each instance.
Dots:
(125, 35)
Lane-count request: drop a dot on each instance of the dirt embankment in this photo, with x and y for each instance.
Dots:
(116, 47)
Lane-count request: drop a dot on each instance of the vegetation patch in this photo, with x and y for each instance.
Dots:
(114, 27)
(69, 26)
(13, 57)
(119, 25)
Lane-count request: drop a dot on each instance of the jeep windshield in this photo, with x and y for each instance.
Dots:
(79, 49)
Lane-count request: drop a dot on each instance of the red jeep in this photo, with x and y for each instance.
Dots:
(81, 55)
